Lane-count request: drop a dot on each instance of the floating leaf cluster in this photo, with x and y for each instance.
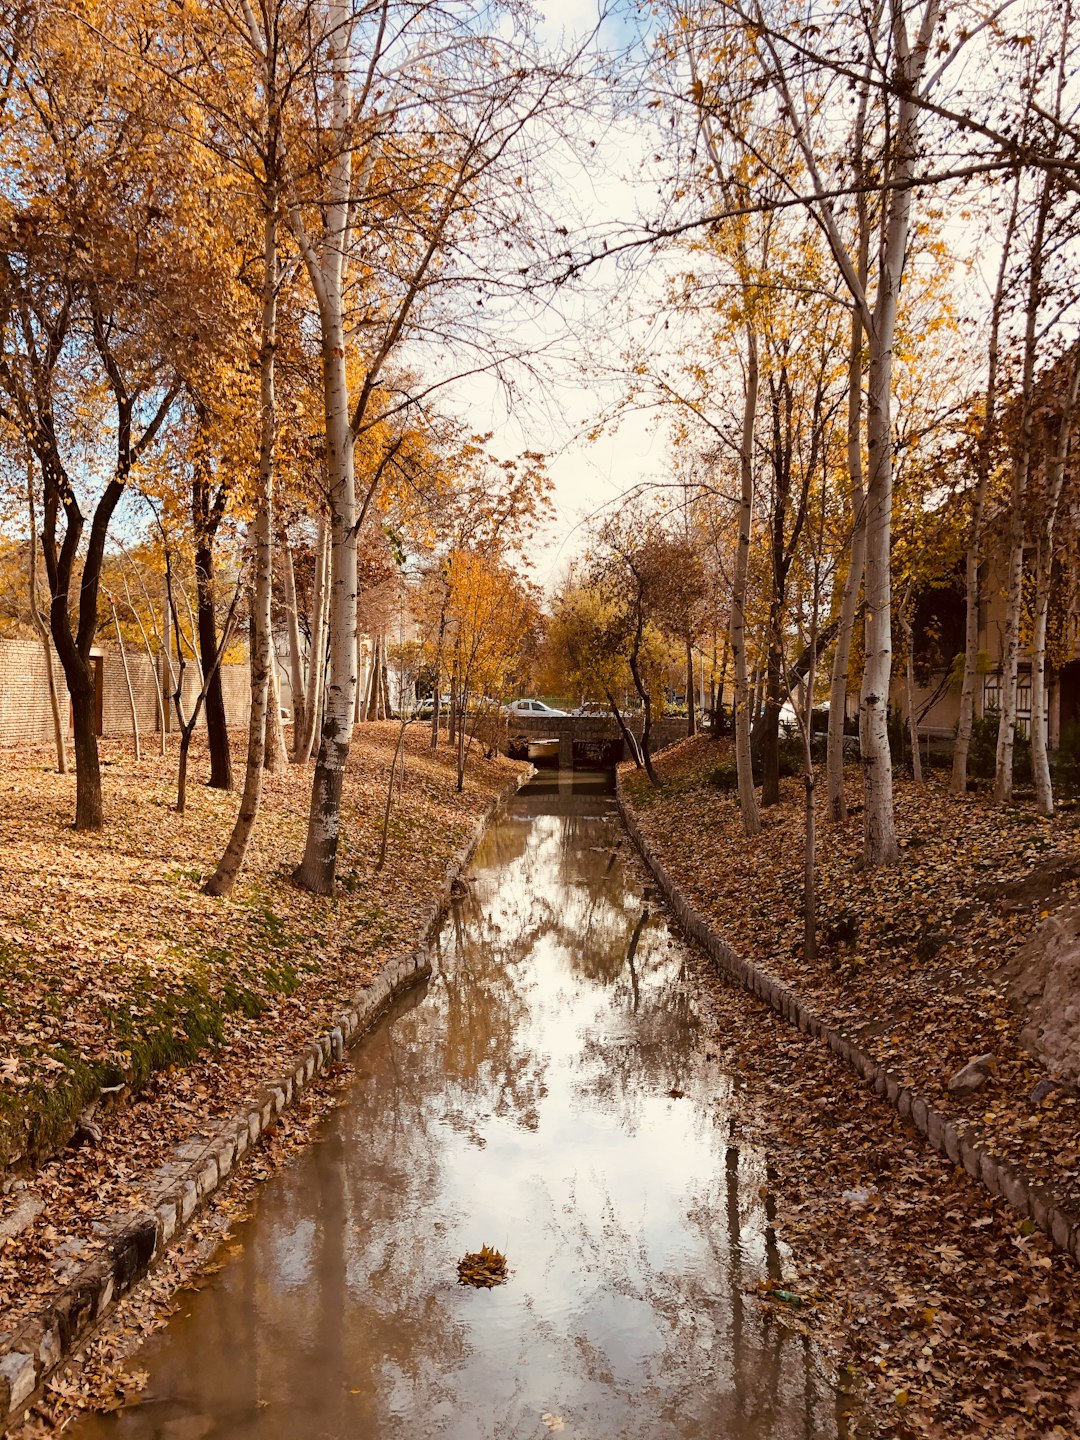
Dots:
(483, 1268)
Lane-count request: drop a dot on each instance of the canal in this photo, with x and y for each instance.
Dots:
(548, 1092)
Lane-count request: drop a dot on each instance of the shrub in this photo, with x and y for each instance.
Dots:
(725, 776)
(1067, 760)
(791, 754)
(720, 721)
(982, 753)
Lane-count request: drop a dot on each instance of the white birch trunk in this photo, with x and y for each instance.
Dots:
(810, 805)
(1055, 479)
(317, 869)
(1040, 755)
(1010, 650)
(168, 683)
(909, 60)
(836, 800)
(748, 805)
(879, 827)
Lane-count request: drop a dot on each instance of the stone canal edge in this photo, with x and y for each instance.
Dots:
(1000, 1177)
(136, 1240)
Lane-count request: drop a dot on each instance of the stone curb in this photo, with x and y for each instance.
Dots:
(136, 1240)
(1030, 1201)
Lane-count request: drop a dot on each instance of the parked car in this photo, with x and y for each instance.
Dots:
(535, 709)
(592, 707)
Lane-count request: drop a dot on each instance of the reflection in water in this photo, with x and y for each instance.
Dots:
(521, 1101)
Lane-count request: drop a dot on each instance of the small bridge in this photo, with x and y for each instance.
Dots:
(589, 740)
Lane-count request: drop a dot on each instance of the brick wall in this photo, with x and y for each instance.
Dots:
(25, 715)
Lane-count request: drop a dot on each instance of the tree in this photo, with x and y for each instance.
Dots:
(78, 297)
(634, 565)
(581, 654)
(398, 163)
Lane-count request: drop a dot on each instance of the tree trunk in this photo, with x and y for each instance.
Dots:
(167, 683)
(810, 816)
(1021, 465)
(317, 870)
(879, 827)
(224, 877)
(691, 712)
(964, 725)
(127, 681)
(909, 698)
(368, 707)
(360, 680)
(849, 605)
(1040, 757)
(646, 722)
(719, 679)
(770, 728)
(275, 757)
(217, 730)
(317, 657)
(958, 781)
(629, 738)
(89, 811)
(296, 656)
(381, 861)
(43, 631)
(1044, 568)
(748, 805)
(436, 693)
(152, 662)
(461, 742)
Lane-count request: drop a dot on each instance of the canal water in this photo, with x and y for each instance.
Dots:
(548, 1092)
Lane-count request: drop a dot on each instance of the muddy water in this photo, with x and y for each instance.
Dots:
(548, 1093)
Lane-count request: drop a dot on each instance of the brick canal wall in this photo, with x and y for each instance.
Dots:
(26, 716)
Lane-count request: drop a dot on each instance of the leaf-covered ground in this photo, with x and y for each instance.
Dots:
(909, 957)
(116, 970)
(959, 1321)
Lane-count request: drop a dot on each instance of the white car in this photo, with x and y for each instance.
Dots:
(536, 709)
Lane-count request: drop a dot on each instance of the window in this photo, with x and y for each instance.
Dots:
(991, 693)
(1023, 705)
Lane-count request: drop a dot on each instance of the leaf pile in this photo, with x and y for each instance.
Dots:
(483, 1268)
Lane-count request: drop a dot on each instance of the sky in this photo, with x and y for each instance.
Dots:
(584, 330)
